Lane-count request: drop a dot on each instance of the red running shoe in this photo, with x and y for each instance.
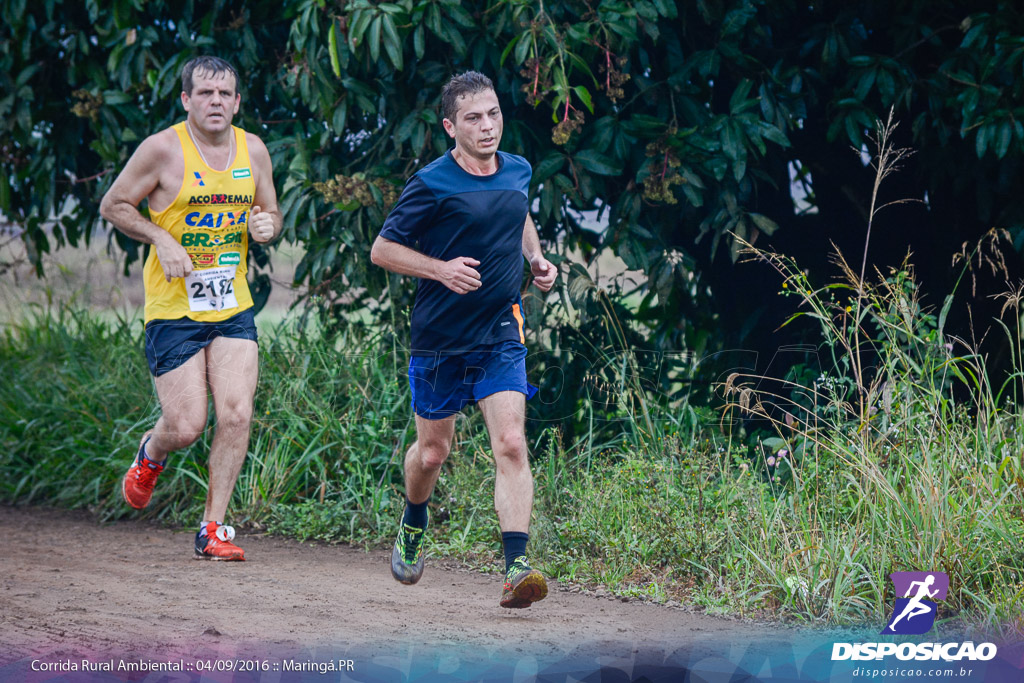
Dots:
(137, 485)
(216, 544)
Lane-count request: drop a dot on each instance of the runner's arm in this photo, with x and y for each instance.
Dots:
(457, 275)
(265, 219)
(138, 180)
(544, 272)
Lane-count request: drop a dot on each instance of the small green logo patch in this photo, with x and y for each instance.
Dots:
(232, 258)
(241, 173)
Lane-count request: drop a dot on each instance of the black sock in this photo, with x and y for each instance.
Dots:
(415, 514)
(514, 543)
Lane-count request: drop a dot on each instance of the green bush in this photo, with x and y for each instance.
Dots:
(687, 515)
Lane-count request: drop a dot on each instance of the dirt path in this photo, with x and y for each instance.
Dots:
(71, 588)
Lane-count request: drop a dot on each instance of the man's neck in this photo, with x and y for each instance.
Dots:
(219, 154)
(211, 139)
(473, 165)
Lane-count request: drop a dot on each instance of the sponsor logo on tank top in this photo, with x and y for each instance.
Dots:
(202, 239)
(199, 219)
(205, 199)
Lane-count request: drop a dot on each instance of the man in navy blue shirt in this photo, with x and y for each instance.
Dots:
(462, 226)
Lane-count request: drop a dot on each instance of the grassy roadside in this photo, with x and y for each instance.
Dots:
(805, 525)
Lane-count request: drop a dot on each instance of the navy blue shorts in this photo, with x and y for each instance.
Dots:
(446, 382)
(170, 343)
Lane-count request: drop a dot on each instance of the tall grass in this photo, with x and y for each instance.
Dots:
(67, 397)
(693, 517)
(911, 464)
(894, 450)
(900, 455)
(77, 397)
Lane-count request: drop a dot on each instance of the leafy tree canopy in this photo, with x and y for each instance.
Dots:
(657, 129)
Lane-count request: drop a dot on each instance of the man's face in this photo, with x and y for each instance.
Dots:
(477, 126)
(213, 102)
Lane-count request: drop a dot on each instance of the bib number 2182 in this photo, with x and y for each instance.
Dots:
(211, 289)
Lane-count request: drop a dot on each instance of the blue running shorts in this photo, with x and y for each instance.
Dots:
(170, 343)
(444, 383)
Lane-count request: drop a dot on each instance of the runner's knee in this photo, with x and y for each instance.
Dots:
(433, 454)
(510, 444)
(235, 416)
(183, 428)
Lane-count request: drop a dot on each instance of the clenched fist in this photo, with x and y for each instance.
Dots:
(261, 225)
(459, 275)
(173, 258)
(544, 273)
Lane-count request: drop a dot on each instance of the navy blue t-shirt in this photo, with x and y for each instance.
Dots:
(446, 212)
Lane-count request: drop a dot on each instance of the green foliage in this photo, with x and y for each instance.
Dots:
(52, 421)
(896, 455)
(672, 122)
(684, 517)
(87, 400)
(668, 123)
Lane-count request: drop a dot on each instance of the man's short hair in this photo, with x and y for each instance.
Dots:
(208, 65)
(463, 85)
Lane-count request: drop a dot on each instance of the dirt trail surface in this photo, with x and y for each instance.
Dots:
(71, 588)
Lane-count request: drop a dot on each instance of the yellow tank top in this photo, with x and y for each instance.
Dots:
(209, 217)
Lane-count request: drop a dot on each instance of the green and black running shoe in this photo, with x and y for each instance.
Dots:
(407, 555)
(524, 585)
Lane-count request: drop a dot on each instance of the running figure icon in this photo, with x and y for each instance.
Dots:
(914, 606)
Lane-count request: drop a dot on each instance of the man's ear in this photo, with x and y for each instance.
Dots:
(449, 127)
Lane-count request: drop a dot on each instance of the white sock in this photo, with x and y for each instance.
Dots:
(145, 454)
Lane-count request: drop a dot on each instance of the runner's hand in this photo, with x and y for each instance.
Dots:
(173, 258)
(261, 225)
(544, 273)
(459, 276)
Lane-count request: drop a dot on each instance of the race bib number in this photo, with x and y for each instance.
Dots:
(211, 289)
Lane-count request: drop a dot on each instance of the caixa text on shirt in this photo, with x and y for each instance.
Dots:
(197, 219)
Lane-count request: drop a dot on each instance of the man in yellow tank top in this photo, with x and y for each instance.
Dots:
(209, 186)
